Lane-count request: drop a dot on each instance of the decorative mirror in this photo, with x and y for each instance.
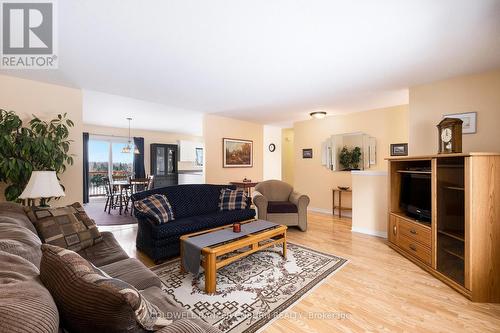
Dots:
(349, 151)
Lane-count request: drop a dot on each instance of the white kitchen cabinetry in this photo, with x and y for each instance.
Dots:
(187, 150)
(191, 178)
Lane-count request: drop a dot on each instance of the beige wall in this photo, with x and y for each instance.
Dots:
(369, 202)
(388, 125)
(429, 102)
(287, 155)
(271, 168)
(149, 137)
(27, 97)
(214, 129)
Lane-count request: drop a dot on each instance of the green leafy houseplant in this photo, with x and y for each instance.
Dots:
(345, 158)
(42, 145)
(350, 159)
(355, 158)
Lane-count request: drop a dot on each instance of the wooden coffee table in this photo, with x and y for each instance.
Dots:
(254, 242)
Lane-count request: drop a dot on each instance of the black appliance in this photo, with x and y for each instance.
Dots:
(415, 196)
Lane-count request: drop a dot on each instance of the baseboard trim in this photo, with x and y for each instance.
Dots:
(319, 210)
(328, 211)
(382, 234)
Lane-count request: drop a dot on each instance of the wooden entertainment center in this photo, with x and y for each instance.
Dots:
(457, 237)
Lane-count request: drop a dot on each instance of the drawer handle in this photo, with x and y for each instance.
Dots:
(394, 230)
(413, 247)
(413, 231)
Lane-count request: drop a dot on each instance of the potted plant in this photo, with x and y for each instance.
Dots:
(355, 158)
(350, 159)
(345, 158)
(42, 145)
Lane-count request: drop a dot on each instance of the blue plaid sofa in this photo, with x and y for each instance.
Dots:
(195, 207)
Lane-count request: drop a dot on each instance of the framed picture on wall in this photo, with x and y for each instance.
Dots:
(469, 121)
(307, 153)
(399, 149)
(199, 156)
(237, 153)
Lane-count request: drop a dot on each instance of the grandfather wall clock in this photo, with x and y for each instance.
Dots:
(450, 136)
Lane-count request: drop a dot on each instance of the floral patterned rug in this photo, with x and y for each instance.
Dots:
(252, 291)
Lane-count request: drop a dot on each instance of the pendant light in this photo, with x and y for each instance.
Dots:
(128, 148)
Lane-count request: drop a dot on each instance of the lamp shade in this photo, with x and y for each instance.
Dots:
(42, 184)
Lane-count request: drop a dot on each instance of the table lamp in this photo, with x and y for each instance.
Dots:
(42, 185)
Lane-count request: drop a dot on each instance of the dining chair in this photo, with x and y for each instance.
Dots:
(151, 182)
(111, 196)
(138, 184)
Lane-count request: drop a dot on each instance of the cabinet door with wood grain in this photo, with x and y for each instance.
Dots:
(393, 229)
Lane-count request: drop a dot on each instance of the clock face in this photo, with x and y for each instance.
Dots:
(272, 147)
(446, 135)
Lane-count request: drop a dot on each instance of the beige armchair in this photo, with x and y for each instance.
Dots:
(276, 201)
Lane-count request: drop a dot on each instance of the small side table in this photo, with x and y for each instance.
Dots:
(340, 208)
(246, 186)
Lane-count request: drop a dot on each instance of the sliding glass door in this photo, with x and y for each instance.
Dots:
(106, 160)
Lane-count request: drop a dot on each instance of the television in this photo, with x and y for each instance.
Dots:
(415, 196)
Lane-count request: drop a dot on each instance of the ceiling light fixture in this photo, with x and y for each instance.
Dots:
(128, 148)
(318, 114)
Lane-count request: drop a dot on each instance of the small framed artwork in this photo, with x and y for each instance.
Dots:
(237, 153)
(307, 153)
(469, 121)
(399, 149)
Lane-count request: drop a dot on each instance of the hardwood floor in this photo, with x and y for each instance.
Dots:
(377, 291)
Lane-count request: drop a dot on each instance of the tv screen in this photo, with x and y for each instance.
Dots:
(415, 198)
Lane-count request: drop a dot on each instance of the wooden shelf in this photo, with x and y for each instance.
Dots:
(440, 156)
(454, 252)
(455, 188)
(453, 234)
(415, 171)
(404, 217)
(449, 166)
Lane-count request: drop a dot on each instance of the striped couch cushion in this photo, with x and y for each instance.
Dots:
(26, 306)
(157, 207)
(91, 301)
(232, 199)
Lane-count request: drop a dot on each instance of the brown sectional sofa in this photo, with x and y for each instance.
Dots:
(27, 306)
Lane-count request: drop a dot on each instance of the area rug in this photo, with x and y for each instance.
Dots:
(252, 291)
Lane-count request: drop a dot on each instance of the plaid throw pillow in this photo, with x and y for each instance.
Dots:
(79, 288)
(157, 207)
(67, 227)
(232, 199)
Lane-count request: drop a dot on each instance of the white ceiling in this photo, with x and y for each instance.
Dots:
(270, 61)
(112, 110)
